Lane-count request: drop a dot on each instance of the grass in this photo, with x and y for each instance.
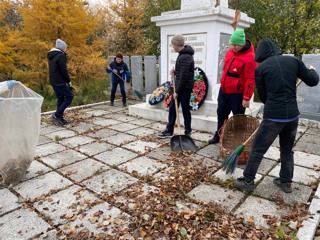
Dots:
(94, 91)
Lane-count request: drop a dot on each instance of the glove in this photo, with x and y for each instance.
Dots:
(115, 71)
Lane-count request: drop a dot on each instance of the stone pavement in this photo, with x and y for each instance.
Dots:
(85, 174)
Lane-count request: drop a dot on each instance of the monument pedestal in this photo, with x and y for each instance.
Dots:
(207, 29)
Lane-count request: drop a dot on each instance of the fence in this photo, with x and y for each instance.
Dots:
(145, 72)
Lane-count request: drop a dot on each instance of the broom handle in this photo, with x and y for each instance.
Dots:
(254, 133)
(176, 104)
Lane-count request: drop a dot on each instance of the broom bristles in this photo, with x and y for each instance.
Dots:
(138, 94)
(230, 164)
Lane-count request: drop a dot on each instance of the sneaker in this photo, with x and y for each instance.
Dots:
(58, 121)
(65, 122)
(166, 134)
(286, 187)
(215, 139)
(243, 185)
(124, 105)
(111, 104)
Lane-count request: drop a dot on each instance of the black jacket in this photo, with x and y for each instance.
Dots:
(58, 72)
(276, 80)
(184, 69)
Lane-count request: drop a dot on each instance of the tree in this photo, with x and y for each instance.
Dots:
(293, 25)
(43, 22)
(152, 32)
(126, 27)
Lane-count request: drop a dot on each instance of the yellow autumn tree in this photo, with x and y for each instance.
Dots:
(43, 22)
(126, 27)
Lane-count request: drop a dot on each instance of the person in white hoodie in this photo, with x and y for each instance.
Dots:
(60, 80)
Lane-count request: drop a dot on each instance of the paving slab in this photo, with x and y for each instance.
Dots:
(301, 175)
(216, 194)
(221, 175)
(273, 153)
(141, 146)
(307, 160)
(143, 166)
(83, 127)
(142, 122)
(97, 112)
(102, 134)
(123, 127)
(308, 143)
(39, 186)
(210, 151)
(49, 129)
(120, 139)
(115, 109)
(62, 159)
(21, 224)
(202, 137)
(36, 168)
(8, 201)
(83, 169)
(94, 148)
(110, 182)
(102, 218)
(77, 141)
(61, 134)
(123, 118)
(65, 205)
(105, 122)
(164, 175)
(51, 235)
(160, 153)
(265, 167)
(249, 209)
(267, 189)
(44, 140)
(116, 156)
(50, 148)
(142, 132)
(158, 126)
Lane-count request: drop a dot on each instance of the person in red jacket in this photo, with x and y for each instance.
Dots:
(237, 80)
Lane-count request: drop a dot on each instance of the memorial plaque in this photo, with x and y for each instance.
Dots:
(224, 46)
(308, 97)
(198, 42)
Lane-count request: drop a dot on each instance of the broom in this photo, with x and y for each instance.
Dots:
(230, 164)
(135, 92)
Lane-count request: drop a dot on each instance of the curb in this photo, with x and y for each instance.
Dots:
(309, 228)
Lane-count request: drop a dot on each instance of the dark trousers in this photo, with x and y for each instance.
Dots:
(115, 83)
(184, 100)
(266, 135)
(228, 103)
(64, 98)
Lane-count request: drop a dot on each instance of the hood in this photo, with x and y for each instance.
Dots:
(187, 50)
(54, 52)
(266, 48)
(247, 47)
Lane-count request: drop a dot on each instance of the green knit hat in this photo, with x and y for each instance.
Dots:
(238, 37)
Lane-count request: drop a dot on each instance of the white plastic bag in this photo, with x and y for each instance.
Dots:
(20, 118)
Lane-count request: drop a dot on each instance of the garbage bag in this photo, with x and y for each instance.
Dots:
(20, 118)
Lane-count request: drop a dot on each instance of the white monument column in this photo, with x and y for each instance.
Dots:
(206, 26)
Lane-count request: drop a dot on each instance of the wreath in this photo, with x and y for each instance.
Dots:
(161, 93)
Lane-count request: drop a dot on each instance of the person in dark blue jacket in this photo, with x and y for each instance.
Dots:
(120, 73)
(276, 80)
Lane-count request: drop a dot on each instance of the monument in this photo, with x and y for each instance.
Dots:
(206, 25)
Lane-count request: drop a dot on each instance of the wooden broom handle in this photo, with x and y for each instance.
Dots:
(176, 104)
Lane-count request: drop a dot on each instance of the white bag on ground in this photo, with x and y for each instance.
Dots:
(20, 118)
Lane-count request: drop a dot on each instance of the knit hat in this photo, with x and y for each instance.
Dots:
(238, 37)
(61, 44)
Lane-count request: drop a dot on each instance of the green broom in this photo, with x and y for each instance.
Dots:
(135, 92)
(230, 164)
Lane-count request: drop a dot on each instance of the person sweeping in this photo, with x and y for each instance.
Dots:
(237, 80)
(276, 79)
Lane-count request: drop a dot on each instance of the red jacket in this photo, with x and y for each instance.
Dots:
(239, 72)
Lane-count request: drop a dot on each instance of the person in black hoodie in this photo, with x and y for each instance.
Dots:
(184, 80)
(120, 73)
(60, 80)
(276, 80)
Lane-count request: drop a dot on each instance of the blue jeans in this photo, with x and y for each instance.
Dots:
(64, 98)
(184, 99)
(266, 135)
(115, 83)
